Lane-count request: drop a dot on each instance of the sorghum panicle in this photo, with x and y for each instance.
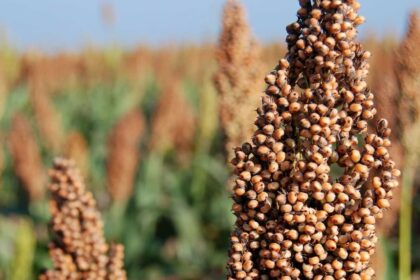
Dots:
(26, 157)
(116, 263)
(384, 85)
(136, 64)
(54, 72)
(173, 121)
(78, 249)
(48, 120)
(295, 218)
(124, 155)
(408, 72)
(77, 148)
(237, 79)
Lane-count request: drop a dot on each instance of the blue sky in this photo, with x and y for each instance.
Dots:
(70, 24)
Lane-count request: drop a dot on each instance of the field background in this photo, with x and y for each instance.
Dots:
(175, 218)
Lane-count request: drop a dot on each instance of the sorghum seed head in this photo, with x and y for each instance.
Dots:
(79, 249)
(237, 78)
(324, 228)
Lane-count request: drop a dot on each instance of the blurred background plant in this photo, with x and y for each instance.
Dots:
(143, 126)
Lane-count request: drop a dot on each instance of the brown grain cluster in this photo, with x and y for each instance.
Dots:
(124, 155)
(27, 162)
(116, 263)
(237, 79)
(313, 182)
(173, 121)
(55, 72)
(47, 118)
(78, 249)
(408, 76)
(408, 73)
(385, 86)
(76, 148)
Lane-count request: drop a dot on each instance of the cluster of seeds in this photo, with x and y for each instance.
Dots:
(313, 182)
(237, 79)
(124, 155)
(173, 121)
(386, 90)
(79, 249)
(47, 117)
(408, 71)
(116, 263)
(76, 147)
(26, 157)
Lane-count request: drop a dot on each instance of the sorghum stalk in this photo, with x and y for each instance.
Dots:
(237, 79)
(23, 251)
(123, 155)
(78, 249)
(295, 218)
(408, 73)
(3, 93)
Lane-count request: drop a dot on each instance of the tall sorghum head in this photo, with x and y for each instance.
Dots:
(76, 147)
(123, 155)
(237, 79)
(47, 118)
(296, 217)
(78, 249)
(116, 263)
(384, 85)
(408, 75)
(173, 121)
(27, 162)
(44, 76)
(383, 82)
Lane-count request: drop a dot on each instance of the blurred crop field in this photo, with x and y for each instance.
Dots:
(145, 113)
